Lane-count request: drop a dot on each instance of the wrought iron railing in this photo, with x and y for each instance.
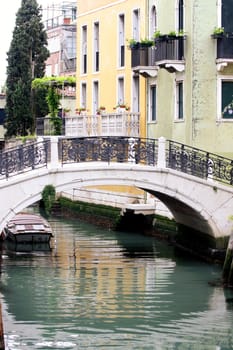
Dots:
(109, 149)
(171, 49)
(24, 158)
(199, 163)
(225, 47)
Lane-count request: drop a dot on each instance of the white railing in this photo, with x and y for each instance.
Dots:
(117, 124)
(84, 125)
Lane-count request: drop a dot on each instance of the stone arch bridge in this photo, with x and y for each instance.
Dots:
(195, 185)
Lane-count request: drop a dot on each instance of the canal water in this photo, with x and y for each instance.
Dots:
(98, 289)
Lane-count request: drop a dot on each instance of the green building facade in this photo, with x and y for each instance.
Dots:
(189, 73)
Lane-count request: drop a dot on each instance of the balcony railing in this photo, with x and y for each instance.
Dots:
(225, 47)
(166, 49)
(169, 48)
(83, 125)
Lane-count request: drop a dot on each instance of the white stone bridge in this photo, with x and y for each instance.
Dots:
(196, 186)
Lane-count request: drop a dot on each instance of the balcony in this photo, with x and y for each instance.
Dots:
(84, 125)
(167, 52)
(224, 55)
(143, 61)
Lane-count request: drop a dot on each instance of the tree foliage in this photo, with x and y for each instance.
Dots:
(48, 197)
(26, 61)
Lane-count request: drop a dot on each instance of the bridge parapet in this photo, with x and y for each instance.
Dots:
(56, 151)
(197, 162)
(24, 158)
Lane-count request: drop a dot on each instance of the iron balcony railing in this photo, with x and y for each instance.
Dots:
(83, 125)
(224, 46)
(169, 48)
(165, 49)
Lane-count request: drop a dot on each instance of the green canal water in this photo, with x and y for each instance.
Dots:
(97, 289)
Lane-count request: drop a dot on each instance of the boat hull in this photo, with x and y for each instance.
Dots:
(28, 228)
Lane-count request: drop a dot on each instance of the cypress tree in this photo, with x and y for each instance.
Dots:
(26, 61)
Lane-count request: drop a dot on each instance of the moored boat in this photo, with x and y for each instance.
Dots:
(28, 228)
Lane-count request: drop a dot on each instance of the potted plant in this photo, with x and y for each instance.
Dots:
(121, 107)
(158, 36)
(218, 33)
(80, 110)
(133, 44)
(146, 42)
(172, 34)
(100, 110)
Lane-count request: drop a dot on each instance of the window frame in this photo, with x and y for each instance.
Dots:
(221, 80)
(179, 117)
(152, 104)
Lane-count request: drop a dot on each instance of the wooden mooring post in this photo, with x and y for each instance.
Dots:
(2, 342)
(227, 274)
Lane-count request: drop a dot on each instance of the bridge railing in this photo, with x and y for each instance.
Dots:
(24, 158)
(199, 163)
(109, 149)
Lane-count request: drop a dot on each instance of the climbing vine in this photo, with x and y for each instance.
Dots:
(54, 87)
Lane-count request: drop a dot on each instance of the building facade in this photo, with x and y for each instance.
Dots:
(189, 73)
(104, 75)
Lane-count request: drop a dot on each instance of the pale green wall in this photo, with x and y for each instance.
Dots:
(200, 127)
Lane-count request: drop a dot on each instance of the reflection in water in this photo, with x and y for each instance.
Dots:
(99, 289)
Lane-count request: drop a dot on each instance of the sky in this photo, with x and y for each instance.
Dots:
(7, 24)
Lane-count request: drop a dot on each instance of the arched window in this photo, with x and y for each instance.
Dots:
(153, 20)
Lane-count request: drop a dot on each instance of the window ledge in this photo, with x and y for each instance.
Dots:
(223, 63)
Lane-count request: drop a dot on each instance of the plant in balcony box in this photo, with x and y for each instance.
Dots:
(218, 32)
(158, 36)
(133, 44)
(80, 110)
(146, 42)
(100, 110)
(172, 34)
(122, 106)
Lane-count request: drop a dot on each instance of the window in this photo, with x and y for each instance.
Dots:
(120, 90)
(179, 101)
(227, 15)
(95, 96)
(84, 50)
(153, 97)
(153, 21)
(136, 26)
(96, 47)
(83, 95)
(227, 100)
(121, 40)
(135, 94)
(181, 15)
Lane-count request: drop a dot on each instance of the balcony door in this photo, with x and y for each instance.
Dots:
(227, 15)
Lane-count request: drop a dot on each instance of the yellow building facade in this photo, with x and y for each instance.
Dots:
(104, 74)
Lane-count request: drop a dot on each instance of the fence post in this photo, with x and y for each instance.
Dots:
(54, 152)
(161, 163)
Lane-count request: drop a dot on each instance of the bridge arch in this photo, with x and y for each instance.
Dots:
(193, 201)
